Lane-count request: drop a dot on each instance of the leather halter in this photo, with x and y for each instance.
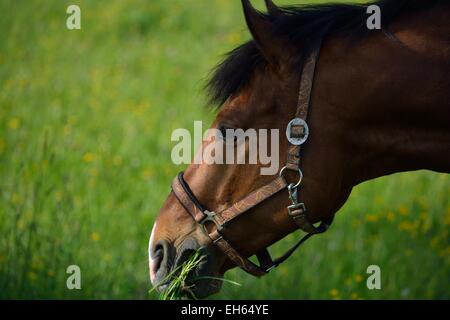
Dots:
(297, 133)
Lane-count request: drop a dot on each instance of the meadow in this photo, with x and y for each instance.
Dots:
(85, 123)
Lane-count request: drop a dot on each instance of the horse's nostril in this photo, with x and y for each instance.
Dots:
(158, 255)
(160, 260)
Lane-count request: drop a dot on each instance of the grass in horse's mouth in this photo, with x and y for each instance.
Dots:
(178, 286)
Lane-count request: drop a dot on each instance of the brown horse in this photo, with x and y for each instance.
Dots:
(380, 105)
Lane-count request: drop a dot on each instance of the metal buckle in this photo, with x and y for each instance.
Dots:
(297, 140)
(297, 206)
(210, 216)
(300, 177)
(293, 196)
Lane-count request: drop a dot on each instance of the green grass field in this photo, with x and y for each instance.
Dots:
(85, 124)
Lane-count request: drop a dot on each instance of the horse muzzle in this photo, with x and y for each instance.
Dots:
(195, 265)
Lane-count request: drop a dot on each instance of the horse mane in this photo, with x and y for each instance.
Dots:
(302, 24)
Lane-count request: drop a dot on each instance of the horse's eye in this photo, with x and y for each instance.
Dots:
(226, 129)
(223, 130)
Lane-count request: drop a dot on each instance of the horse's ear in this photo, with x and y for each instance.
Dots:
(262, 29)
(272, 9)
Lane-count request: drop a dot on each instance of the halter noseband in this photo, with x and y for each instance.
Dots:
(297, 133)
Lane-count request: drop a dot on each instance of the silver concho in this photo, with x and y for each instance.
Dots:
(301, 137)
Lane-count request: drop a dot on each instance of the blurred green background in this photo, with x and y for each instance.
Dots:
(85, 124)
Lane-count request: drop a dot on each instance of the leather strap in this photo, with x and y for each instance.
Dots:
(185, 196)
(235, 256)
(299, 215)
(252, 200)
(304, 101)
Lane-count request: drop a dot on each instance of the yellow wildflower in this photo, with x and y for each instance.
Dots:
(16, 198)
(234, 38)
(444, 252)
(434, 243)
(354, 296)
(408, 226)
(447, 217)
(107, 257)
(334, 293)
(95, 236)
(372, 218)
(32, 276)
(147, 174)
(14, 123)
(358, 278)
(77, 201)
(58, 196)
(403, 210)
(379, 200)
(89, 157)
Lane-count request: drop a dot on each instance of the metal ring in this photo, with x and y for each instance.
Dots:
(300, 176)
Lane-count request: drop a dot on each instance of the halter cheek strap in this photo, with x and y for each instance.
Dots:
(214, 223)
(297, 133)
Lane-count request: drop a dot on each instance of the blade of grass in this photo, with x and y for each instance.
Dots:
(177, 287)
(177, 277)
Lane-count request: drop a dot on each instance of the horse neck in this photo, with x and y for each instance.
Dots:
(378, 108)
(396, 117)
